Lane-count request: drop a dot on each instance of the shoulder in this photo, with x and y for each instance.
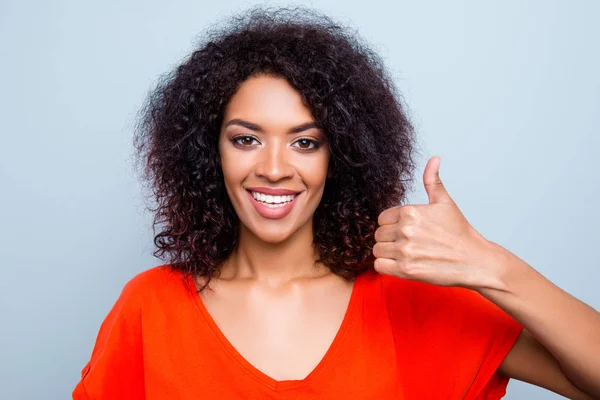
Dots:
(428, 298)
(147, 289)
(147, 293)
(157, 274)
(148, 282)
(416, 299)
(443, 309)
(117, 355)
(457, 329)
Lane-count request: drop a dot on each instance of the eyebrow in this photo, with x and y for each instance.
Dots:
(258, 128)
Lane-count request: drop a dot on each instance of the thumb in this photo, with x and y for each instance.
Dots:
(433, 184)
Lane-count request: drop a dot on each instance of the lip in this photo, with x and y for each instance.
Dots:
(273, 191)
(272, 213)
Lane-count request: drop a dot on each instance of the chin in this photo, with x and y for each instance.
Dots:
(275, 236)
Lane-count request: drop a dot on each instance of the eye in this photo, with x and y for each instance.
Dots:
(243, 141)
(305, 144)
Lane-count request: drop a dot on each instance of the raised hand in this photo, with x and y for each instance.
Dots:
(433, 242)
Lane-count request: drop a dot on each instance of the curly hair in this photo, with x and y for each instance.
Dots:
(349, 93)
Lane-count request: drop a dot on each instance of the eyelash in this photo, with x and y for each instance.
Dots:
(236, 139)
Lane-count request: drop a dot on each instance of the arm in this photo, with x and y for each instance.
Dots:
(435, 243)
(559, 348)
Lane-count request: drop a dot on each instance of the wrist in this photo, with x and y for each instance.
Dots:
(507, 274)
(496, 268)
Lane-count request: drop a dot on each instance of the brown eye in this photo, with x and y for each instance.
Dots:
(243, 141)
(305, 144)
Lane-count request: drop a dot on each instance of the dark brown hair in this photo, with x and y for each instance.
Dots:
(351, 96)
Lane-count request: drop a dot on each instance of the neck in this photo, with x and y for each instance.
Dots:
(274, 263)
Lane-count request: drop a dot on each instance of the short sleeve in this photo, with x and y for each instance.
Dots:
(115, 369)
(453, 339)
(484, 335)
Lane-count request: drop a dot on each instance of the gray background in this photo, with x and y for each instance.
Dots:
(506, 92)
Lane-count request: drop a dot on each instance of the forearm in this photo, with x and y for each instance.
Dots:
(567, 327)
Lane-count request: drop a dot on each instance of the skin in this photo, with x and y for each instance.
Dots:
(270, 292)
(559, 348)
(272, 287)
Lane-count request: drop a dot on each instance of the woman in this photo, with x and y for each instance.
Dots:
(278, 154)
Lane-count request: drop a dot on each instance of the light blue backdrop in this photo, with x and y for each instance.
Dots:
(506, 92)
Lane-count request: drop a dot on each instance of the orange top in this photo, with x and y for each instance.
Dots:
(399, 339)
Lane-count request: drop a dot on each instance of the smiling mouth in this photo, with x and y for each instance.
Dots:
(273, 207)
(272, 201)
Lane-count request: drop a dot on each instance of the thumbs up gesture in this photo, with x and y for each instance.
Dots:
(433, 242)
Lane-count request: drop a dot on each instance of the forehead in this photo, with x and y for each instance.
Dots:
(268, 101)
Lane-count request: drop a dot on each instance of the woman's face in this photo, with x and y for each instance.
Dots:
(274, 160)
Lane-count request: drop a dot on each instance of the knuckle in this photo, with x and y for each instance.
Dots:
(408, 269)
(406, 249)
(407, 231)
(409, 212)
(403, 269)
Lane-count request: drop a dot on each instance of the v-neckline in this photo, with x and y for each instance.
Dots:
(275, 384)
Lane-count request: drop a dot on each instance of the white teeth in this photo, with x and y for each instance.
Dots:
(274, 205)
(267, 198)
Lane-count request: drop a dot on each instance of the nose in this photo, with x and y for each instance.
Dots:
(274, 164)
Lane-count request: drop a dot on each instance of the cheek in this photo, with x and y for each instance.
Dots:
(230, 164)
(315, 172)
(232, 177)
